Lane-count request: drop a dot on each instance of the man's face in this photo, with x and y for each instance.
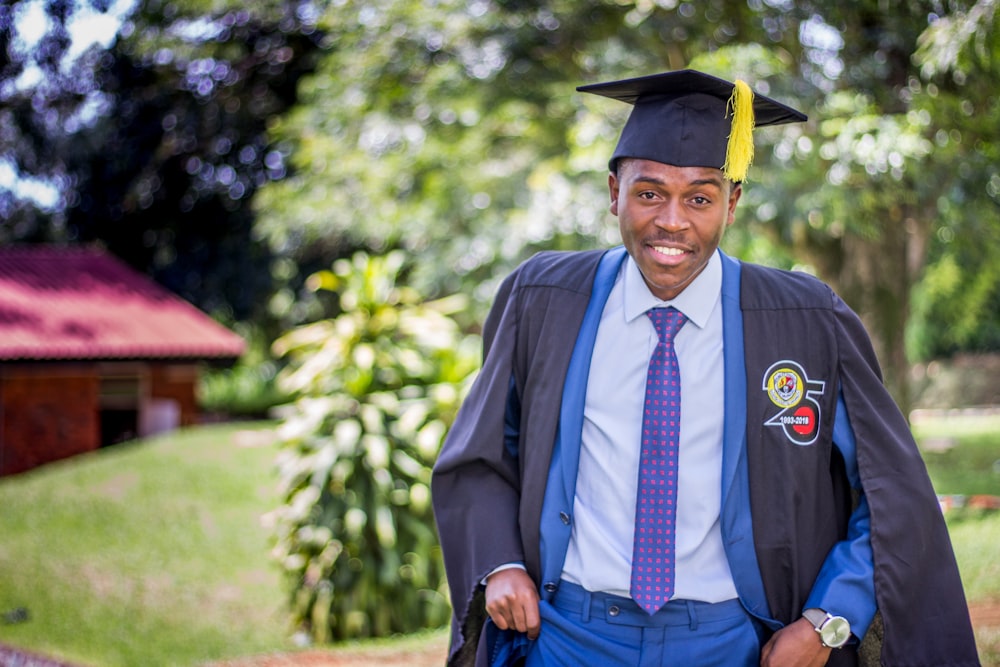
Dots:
(671, 219)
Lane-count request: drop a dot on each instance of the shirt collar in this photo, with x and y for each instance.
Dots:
(696, 301)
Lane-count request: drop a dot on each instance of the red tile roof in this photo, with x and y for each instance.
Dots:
(82, 303)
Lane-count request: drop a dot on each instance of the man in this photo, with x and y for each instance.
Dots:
(671, 457)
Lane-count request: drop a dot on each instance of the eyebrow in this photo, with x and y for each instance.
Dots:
(698, 181)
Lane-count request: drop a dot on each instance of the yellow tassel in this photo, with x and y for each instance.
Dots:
(739, 151)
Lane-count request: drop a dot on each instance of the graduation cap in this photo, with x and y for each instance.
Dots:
(692, 119)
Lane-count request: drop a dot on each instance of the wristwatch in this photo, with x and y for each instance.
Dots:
(834, 631)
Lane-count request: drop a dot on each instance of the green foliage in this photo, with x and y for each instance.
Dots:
(376, 388)
(956, 307)
(407, 140)
(230, 149)
(245, 391)
(477, 151)
(249, 389)
(155, 145)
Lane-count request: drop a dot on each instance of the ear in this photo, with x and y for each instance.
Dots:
(613, 185)
(735, 192)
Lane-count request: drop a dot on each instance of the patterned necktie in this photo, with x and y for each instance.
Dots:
(653, 543)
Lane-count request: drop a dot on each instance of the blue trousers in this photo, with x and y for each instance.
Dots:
(584, 628)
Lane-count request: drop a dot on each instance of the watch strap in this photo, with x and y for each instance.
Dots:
(815, 616)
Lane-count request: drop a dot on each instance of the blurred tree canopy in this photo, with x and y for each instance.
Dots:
(958, 301)
(456, 134)
(230, 149)
(155, 145)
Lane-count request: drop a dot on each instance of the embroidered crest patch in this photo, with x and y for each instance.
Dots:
(789, 388)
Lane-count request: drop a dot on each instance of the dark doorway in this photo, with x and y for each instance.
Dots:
(119, 409)
(118, 426)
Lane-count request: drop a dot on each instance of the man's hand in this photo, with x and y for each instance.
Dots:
(795, 645)
(512, 601)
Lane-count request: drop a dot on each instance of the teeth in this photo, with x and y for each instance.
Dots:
(670, 252)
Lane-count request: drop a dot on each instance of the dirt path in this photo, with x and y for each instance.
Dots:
(985, 614)
(430, 655)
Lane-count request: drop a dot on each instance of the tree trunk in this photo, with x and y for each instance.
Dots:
(875, 279)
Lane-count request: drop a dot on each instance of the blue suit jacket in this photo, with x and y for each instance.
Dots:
(857, 601)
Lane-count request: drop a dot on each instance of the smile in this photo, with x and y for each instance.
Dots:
(669, 252)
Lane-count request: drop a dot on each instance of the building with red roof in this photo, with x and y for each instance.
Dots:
(93, 353)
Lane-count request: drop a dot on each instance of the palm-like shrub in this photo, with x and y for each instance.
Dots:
(376, 389)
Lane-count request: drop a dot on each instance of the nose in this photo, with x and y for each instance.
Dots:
(671, 217)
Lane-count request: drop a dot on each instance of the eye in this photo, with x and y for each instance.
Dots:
(701, 201)
(647, 195)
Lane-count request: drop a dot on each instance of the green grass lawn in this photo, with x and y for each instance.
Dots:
(148, 553)
(974, 467)
(153, 553)
(971, 467)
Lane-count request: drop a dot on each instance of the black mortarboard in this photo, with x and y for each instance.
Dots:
(691, 119)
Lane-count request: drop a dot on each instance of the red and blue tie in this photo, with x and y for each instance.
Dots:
(652, 581)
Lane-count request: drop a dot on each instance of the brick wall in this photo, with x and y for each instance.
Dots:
(47, 413)
(176, 382)
(53, 411)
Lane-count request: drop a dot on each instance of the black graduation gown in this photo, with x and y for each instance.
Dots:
(487, 499)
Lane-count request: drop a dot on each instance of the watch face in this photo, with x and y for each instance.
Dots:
(835, 632)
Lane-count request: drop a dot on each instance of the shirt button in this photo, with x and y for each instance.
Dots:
(564, 517)
(613, 610)
(550, 587)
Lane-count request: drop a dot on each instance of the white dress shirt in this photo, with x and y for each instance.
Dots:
(599, 557)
